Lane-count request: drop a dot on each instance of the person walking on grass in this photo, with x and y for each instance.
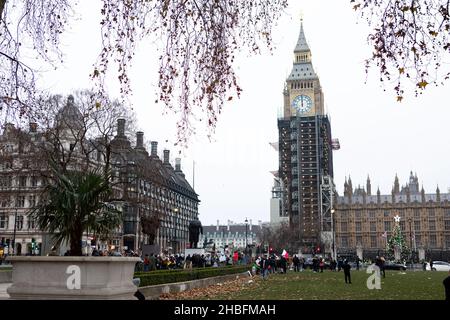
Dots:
(347, 268)
(264, 267)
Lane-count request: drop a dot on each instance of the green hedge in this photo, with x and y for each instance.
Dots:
(180, 275)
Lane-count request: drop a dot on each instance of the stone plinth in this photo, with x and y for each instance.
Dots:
(77, 278)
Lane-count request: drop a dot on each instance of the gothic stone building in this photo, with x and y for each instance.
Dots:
(361, 219)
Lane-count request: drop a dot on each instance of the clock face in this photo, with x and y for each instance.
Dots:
(302, 104)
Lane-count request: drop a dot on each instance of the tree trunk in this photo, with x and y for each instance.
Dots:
(75, 244)
(2, 7)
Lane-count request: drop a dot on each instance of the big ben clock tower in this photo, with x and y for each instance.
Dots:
(305, 151)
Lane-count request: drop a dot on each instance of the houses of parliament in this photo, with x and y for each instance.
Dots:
(362, 218)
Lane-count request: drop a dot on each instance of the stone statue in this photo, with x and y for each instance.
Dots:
(195, 228)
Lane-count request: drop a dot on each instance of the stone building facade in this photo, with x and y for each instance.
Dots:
(364, 221)
(143, 185)
(234, 236)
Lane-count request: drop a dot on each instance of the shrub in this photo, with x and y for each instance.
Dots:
(172, 276)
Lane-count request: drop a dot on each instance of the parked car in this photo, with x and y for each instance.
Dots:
(439, 266)
(389, 265)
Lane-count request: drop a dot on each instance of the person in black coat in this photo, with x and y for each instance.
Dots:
(446, 283)
(347, 268)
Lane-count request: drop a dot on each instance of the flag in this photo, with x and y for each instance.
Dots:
(384, 235)
(285, 254)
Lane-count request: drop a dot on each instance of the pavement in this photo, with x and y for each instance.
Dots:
(3, 294)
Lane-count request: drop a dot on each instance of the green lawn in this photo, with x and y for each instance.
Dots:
(329, 285)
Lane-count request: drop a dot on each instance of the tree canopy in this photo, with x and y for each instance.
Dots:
(199, 39)
(410, 39)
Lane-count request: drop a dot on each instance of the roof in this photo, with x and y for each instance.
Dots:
(302, 71)
(302, 45)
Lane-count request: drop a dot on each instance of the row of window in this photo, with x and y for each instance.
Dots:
(416, 213)
(21, 181)
(376, 242)
(20, 222)
(388, 226)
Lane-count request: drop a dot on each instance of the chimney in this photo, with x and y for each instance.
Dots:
(177, 164)
(250, 226)
(217, 228)
(139, 140)
(33, 127)
(154, 151)
(166, 157)
(120, 127)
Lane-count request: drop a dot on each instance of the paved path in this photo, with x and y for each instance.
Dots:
(3, 294)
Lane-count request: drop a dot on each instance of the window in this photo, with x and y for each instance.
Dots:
(432, 225)
(402, 225)
(416, 213)
(344, 242)
(3, 221)
(4, 202)
(34, 181)
(373, 241)
(358, 214)
(19, 223)
(433, 241)
(32, 200)
(358, 240)
(447, 241)
(32, 223)
(358, 226)
(418, 240)
(20, 201)
(386, 213)
(5, 181)
(372, 214)
(446, 225)
(447, 213)
(23, 181)
(417, 225)
(373, 227)
(387, 226)
(431, 213)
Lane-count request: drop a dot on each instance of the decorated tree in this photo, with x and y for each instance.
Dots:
(396, 247)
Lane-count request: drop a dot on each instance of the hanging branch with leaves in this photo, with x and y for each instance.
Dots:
(410, 39)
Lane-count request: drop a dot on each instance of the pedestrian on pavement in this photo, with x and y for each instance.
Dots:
(446, 283)
(347, 268)
(357, 263)
(431, 265)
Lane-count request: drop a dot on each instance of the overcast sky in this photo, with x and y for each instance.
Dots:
(379, 136)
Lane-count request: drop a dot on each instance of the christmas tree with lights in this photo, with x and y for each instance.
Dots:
(396, 247)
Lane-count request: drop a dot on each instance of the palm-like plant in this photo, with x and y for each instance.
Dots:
(75, 203)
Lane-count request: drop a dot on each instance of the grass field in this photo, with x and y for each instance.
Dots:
(397, 285)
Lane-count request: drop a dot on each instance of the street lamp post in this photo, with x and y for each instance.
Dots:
(246, 238)
(333, 235)
(411, 242)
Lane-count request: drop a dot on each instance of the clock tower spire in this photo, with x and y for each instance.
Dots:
(303, 96)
